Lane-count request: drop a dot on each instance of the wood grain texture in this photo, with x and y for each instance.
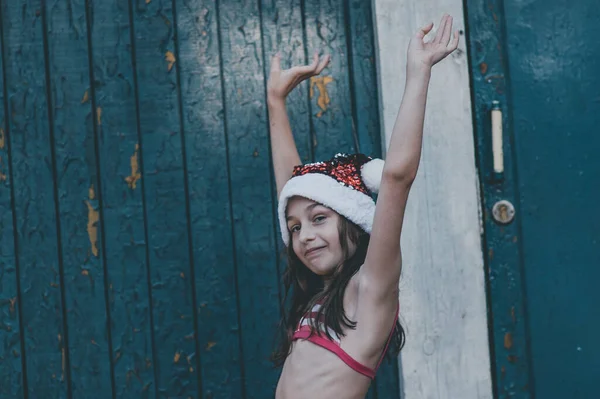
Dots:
(176, 357)
(218, 328)
(330, 93)
(251, 191)
(11, 366)
(283, 31)
(34, 202)
(121, 183)
(77, 185)
(442, 290)
(489, 70)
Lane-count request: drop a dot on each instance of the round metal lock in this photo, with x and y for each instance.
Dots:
(503, 211)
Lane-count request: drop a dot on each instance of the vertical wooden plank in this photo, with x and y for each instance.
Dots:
(330, 92)
(250, 181)
(122, 208)
(176, 357)
(206, 160)
(12, 378)
(283, 32)
(363, 76)
(34, 202)
(509, 346)
(442, 290)
(76, 179)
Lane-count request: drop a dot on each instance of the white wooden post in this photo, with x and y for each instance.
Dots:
(442, 292)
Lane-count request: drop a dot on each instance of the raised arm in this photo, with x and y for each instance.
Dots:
(383, 263)
(280, 84)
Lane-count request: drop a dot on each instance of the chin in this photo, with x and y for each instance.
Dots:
(322, 271)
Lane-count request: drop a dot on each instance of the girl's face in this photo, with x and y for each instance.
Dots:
(315, 235)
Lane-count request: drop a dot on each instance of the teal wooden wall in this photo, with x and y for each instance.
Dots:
(139, 254)
(540, 60)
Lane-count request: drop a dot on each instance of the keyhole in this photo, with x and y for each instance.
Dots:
(503, 211)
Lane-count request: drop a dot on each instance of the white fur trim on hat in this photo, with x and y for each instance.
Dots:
(348, 202)
(371, 173)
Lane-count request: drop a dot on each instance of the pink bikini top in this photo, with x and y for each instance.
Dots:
(304, 331)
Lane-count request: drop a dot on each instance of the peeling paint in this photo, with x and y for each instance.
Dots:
(176, 357)
(2, 140)
(508, 340)
(99, 115)
(321, 83)
(86, 97)
(135, 170)
(170, 57)
(483, 68)
(92, 225)
(210, 345)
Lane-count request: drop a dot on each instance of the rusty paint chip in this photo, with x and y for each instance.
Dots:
(135, 169)
(86, 97)
(176, 357)
(2, 140)
(99, 116)
(508, 340)
(92, 225)
(321, 83)
(210, 345)
(483, 68)
(170, 57)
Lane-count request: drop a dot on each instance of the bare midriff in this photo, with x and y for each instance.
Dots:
(311, 371)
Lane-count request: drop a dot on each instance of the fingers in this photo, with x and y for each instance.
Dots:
(424, 30)
(447, 31)
(454, 44)
(315, 67)
(276, 62)
(440, 30)
(324, 62)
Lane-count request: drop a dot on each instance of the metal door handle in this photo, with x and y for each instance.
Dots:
(497, 149)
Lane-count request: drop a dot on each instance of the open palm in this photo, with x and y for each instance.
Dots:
(282, 81)
(421, 53)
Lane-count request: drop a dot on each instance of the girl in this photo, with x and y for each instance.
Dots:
(344, 256)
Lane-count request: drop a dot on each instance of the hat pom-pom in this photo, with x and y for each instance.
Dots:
(371, 173)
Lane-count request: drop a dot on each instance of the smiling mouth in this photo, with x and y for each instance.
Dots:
(312, 251)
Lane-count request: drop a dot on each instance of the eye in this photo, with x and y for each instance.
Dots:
(319, 219)
(294, 228)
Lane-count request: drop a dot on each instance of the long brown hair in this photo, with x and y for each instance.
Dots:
(303, 289)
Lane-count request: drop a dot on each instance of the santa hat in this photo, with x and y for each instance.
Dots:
(345, 184)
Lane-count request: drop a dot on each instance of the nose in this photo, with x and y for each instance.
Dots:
(307, 234)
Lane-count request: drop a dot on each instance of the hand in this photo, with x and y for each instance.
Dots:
(426, 55)
(282, 82)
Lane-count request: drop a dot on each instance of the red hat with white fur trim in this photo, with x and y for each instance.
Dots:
(345, 184)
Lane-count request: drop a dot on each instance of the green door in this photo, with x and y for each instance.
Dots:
(541, 61)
